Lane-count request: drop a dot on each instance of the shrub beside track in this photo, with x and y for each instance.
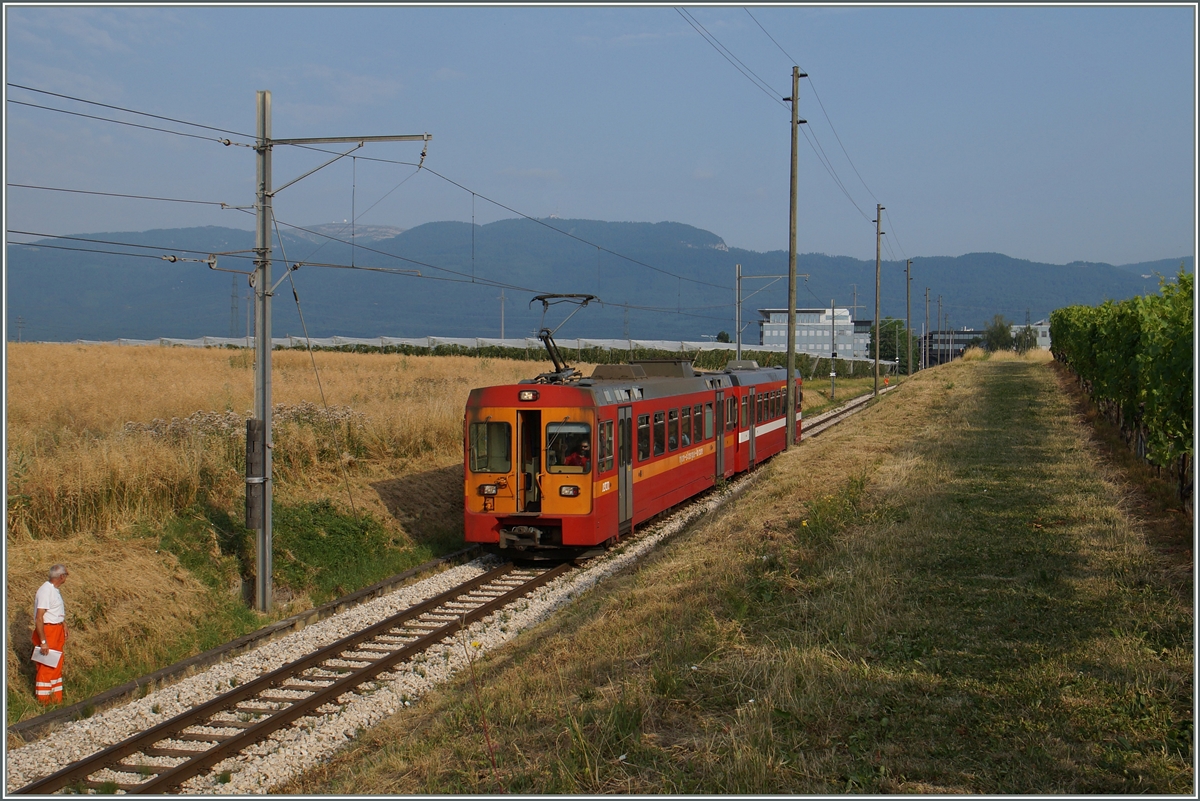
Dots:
(1135, 360)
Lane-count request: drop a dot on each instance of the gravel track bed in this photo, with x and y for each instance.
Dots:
(313, 739)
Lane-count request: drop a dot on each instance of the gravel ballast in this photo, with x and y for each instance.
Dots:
(312, 740)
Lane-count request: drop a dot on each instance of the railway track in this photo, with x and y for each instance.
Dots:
(826, 420)
(159, 760)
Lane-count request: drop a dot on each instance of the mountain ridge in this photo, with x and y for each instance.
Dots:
(664, 280)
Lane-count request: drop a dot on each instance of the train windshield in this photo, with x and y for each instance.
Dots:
(491, 447)
(568, 447)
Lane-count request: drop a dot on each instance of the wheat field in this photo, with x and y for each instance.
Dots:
(101, 436)
(106, 444)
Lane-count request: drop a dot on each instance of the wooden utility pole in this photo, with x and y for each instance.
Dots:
(791, 333)
(908, 316)
(258, 429)
(878, 233)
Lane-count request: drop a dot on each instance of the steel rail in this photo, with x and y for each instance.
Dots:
(826, 420)
(168, 778)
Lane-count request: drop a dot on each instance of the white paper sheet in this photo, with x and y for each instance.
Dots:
(50, 659)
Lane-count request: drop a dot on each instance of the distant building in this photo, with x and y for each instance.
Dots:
(1043, 332)
(849, 339)
(943, 346)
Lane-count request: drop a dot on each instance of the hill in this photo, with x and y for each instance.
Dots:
(62, 295)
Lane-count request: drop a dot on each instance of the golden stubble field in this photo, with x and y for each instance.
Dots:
(77, 470)
(106, 443)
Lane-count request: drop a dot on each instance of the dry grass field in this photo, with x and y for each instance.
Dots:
(127, 463)
(75, 469)
(951, 593)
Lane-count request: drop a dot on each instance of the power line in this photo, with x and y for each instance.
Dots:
(824, 113)
(629, 259)
(237, 254)
(129, 110)
(818, 151)
(893, 227)
(391, 161)
(111, 242)
(341, 230)
(40, 245)
(522, 214)
(464, 278)
(225, 142)
(828, 165)
(118, 194)
(728, 55)
(359, 267)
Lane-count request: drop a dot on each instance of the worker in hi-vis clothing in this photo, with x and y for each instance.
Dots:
(50, 634)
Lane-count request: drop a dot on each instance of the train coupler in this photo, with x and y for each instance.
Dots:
(520, 537)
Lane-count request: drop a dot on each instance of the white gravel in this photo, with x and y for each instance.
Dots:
(312, 740)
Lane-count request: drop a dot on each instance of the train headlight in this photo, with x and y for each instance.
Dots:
(527, 395)
(569, 491)
(488, 489)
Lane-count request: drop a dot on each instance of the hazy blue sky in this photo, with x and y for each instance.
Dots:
(1051, 134)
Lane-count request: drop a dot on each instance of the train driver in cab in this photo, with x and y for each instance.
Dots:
(580, 456)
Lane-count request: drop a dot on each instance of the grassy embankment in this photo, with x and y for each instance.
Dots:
(147, 515)
(948, 594)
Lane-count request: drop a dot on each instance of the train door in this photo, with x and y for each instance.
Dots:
(753, 422)
(624, 467)
(731, 434)
(720, 432)
(529, 457)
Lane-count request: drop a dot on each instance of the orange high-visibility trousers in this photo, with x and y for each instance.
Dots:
(47, 684)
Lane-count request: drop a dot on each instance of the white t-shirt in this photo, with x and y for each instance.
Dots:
(50, 599)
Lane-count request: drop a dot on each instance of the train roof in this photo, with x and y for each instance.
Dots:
(646, 379)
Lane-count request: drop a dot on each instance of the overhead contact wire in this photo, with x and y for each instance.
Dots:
(320, 388)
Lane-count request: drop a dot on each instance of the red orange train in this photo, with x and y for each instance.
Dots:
(563, 463)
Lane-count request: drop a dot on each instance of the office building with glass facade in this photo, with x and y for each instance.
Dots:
(819, 332)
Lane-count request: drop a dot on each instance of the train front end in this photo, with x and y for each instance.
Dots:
(530, 456)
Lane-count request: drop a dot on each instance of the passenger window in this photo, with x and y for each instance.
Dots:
(696, 430)
(730, 414)
(605, 457)
(708, 421)
(660, 434)
(643, 437)
(685, 434)
(745, 411)
(673, 429)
